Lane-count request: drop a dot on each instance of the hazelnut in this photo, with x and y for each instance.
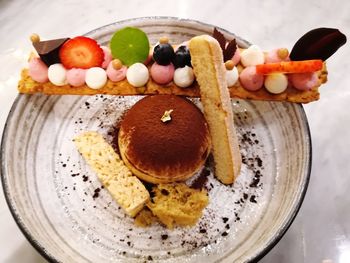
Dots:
(229, 64)
(34, 38)
(282, 53)
(163, 40)
(117, 64)
(166, 116)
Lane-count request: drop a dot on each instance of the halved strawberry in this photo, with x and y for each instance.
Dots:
(81, 52)
(303, 66)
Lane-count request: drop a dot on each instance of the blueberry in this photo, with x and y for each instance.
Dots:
(182, 57)
(163, 54)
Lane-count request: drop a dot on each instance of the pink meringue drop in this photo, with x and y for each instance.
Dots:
(273, 57)
(236, 58)
(149, 58)
(107, 57)
(116, 74)
(304, 81)
(38, 70)
(162, 74)
(250, 79)
(76, 77)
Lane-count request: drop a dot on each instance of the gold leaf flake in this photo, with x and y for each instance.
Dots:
(166, 116)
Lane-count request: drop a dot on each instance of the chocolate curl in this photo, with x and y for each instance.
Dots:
(319, 43)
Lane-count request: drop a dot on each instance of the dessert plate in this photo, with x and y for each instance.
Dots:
(60, 206)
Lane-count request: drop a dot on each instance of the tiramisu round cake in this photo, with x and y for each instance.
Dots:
(164, 138)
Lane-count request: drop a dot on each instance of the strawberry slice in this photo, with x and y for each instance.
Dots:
(303, 66)
(81, 52)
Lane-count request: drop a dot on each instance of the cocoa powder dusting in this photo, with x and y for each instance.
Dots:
(114, 131)
(182, 141)
(201, 180)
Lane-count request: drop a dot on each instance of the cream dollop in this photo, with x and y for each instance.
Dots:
(107, 57)
(149, 57)
(236, 58)
(184, 77)
(38, 70)
(232, 76)
(276, 83)
(116, 74)
(137, 75)
(277, 55)
(57, 74)
(252, 56)
(162, 74)
(76, 77)
(250, 79)
(95, 77)
(304, 81)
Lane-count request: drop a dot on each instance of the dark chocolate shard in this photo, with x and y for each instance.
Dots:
(319, 43)
(230, 50)
(220, 38)
(49, 50)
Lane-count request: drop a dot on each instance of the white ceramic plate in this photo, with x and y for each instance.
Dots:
(58, 203)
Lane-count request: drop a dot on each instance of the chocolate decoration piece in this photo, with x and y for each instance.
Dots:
(227, 51)
(230, 50)
(48, 50)
(220, 38)
(319, 43)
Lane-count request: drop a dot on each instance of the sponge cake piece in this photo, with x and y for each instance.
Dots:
(125, 188)
(208, 66)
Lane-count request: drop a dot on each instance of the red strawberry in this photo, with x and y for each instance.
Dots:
(303, 66)
(81, 52)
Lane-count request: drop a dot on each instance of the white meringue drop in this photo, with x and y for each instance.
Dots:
(95, 77)
(183, 77)
(57, 74)
(232, 77)
(137, 75)
(252, 56)
(276, 83)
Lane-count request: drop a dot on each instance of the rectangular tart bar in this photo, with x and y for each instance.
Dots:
(27, 85)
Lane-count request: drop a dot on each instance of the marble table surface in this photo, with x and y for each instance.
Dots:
(320, 232)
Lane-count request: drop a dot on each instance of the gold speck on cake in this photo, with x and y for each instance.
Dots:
(166, 116)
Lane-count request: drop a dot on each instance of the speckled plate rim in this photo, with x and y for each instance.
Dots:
(50, 257)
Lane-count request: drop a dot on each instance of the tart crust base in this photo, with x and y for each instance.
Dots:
(27, 85)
